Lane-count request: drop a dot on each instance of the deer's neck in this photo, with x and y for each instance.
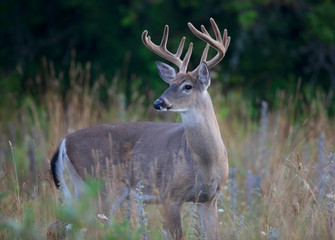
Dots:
(203, 134)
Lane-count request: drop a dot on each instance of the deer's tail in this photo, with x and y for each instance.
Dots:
(57, 169)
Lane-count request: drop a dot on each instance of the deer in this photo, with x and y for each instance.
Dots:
(174, 162)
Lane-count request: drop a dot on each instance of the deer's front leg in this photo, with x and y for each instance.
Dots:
(209, 219)
(172, 218)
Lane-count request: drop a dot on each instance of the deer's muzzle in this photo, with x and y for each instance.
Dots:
(161, 105)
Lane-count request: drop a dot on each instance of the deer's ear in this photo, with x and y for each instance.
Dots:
(203, 74)
(166, 72)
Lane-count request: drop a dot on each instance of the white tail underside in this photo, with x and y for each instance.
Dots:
(63, 163)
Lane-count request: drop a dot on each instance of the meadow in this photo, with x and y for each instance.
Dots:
(282, 169)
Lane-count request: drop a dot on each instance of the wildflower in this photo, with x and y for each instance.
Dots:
(233, 188)
(139, 199)
(240, 226)
(68, 227)
(102, 216)
(220, 210)
(331, 196)
(306, 186)
(252, 184)
(274, 233)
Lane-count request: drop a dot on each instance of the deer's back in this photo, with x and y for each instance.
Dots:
(135, 148)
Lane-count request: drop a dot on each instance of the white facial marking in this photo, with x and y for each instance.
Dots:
(161, 109)
(178, 109)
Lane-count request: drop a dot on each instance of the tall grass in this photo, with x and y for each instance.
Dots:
(281, 184)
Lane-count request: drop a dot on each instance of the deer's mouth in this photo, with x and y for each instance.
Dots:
(162, 108)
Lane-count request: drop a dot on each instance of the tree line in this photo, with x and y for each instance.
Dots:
(276, 44)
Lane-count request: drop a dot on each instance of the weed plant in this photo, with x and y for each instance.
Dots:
(281, 183)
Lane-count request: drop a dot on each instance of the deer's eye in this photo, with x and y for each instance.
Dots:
(188, 87)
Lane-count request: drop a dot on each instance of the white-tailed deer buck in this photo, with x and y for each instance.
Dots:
(175, 162)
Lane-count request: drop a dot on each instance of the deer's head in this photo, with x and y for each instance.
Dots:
(186, 88)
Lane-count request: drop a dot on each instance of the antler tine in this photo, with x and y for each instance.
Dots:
(221, 45)
(216, 30)
(187, 58)
(162, 51)
(204, 53)
(165, 37)
(181, 47)
(226, 39)
(203, 29)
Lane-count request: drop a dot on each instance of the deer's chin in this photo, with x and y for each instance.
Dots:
(171, 109)
(178, 109)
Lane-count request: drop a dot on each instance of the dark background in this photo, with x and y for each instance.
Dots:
(276, 45)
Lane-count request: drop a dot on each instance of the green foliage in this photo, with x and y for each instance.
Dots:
(123, 230)
(320, 23)
(80, 213)
(24, 229)
(3, 195)
(21, 159)
(247, 19)
(78, 219)
(10, 89)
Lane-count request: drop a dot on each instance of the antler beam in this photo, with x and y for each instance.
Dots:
(221, 45)
(162, 51)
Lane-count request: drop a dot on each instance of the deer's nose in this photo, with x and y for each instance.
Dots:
(158, 104)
